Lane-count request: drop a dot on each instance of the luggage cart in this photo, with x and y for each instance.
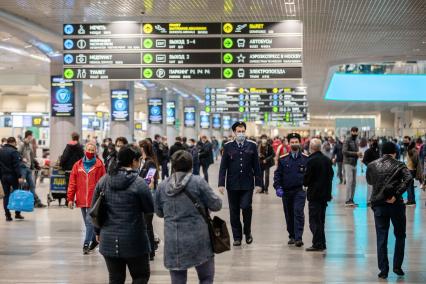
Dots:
(58, 187)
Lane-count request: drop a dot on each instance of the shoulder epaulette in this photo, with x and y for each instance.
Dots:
(285, 155)
(229, 142)
(306, 155)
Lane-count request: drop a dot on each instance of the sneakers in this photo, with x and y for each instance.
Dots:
(39, 205)
(291, 242)
(299, 244)
(237, 243)
(383, 275)
(312, 248)
(249, 239)
(93, 245)
(86, 249)
(399, 271)
(9, 218)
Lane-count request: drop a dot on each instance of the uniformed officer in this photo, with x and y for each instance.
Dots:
(288, 183)
(240, 170)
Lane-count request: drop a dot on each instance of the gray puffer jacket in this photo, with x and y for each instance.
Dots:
(350, 151)
(186, 236)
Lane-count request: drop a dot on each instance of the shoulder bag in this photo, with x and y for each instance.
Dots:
(218, 231)
(98, 210)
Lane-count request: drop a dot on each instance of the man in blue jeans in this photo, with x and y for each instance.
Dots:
(390, 179)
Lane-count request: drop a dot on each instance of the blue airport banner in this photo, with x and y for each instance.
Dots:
(204, 120)
(155, 111)
(216, 121)
(171, 113)
(226, 122)
(120, 105)
(189, 116)
(62, 97)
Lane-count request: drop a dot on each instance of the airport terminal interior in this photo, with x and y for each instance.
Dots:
(299, 125)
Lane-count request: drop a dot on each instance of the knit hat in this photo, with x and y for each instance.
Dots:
(181, 161)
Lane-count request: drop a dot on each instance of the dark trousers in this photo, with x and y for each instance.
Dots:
(138, 268)
(196, 169)
(294, 204)
(240, 199)
(411, 197)
(317, 222)
(164, 169)
(383, 214)
(150, 231)
(340, 171)
(265, 176)
(205, 171)
(205, 273)
(9, 183)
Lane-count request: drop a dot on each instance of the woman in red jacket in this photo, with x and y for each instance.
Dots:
(84, 176)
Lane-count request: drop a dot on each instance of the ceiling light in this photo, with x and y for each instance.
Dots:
(28, 46)
(6, 38)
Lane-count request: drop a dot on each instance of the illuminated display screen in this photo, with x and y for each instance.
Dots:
(377, 88)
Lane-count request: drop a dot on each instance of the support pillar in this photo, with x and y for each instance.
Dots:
(124, 128)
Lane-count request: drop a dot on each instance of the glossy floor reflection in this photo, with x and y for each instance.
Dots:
(46, 247)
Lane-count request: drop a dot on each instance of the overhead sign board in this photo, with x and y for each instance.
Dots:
(163, 51)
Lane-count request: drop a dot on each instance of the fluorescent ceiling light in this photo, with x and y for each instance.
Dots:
(22, 52)
(377, 88)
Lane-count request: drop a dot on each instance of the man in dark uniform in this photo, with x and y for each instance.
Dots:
(240, 169)
(288, 183)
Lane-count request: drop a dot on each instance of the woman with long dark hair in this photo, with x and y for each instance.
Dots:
(123, 236)
(149, 172)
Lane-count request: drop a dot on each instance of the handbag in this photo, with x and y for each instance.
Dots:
(21, 200)
(98, 211)
(218, 231)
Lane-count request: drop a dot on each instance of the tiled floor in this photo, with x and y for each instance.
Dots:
(46, 247)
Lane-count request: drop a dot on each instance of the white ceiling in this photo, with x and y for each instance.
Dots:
(335, 31)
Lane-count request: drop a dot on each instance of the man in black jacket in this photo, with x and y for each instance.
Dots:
(337, 159)
(177, 146)
(372, 154)
(72, 153)
(318, 179)
(205, 156)
(390, 179)
(10, 173)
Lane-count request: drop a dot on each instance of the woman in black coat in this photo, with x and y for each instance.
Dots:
(149, 162)
(123, 236)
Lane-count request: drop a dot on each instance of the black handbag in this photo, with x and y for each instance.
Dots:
(218, 231)
(98, 210)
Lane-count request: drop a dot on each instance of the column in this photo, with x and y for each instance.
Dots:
(124, 128)
(62, 127)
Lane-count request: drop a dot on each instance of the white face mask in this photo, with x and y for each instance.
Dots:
(190, 144)
(240, 137)
(264, 141)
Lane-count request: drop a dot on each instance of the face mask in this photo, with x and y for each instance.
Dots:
(354, 136)
(295, 147)
(264, 141)
(117, 149)
(190, 144)
(89, 155)
(240, 137)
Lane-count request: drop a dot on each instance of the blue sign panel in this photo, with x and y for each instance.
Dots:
(226, 122)
(171, 113)
(189, 116)
(62, 97)
(216, 121)
(204, 120)
(120, 105)
(155, 111)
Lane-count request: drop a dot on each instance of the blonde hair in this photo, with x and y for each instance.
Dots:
(91, 143)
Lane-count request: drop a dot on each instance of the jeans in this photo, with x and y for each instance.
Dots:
(138, 267)
(316, 223)
(265, 176)
(294, 204)
(383, 214)
(205, 273)
(411, 197)
(27, 174)
(196, 169)
(9, 183)
(164, 169)
(340, 171)
(206, 171)
(350, 172)
(90, 232)
(240, 199)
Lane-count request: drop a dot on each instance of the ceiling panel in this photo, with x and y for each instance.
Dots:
(335, 31)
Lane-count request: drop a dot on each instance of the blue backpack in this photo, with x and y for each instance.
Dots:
(21, 200)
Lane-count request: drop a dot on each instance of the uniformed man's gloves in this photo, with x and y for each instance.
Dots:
(279, 192)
